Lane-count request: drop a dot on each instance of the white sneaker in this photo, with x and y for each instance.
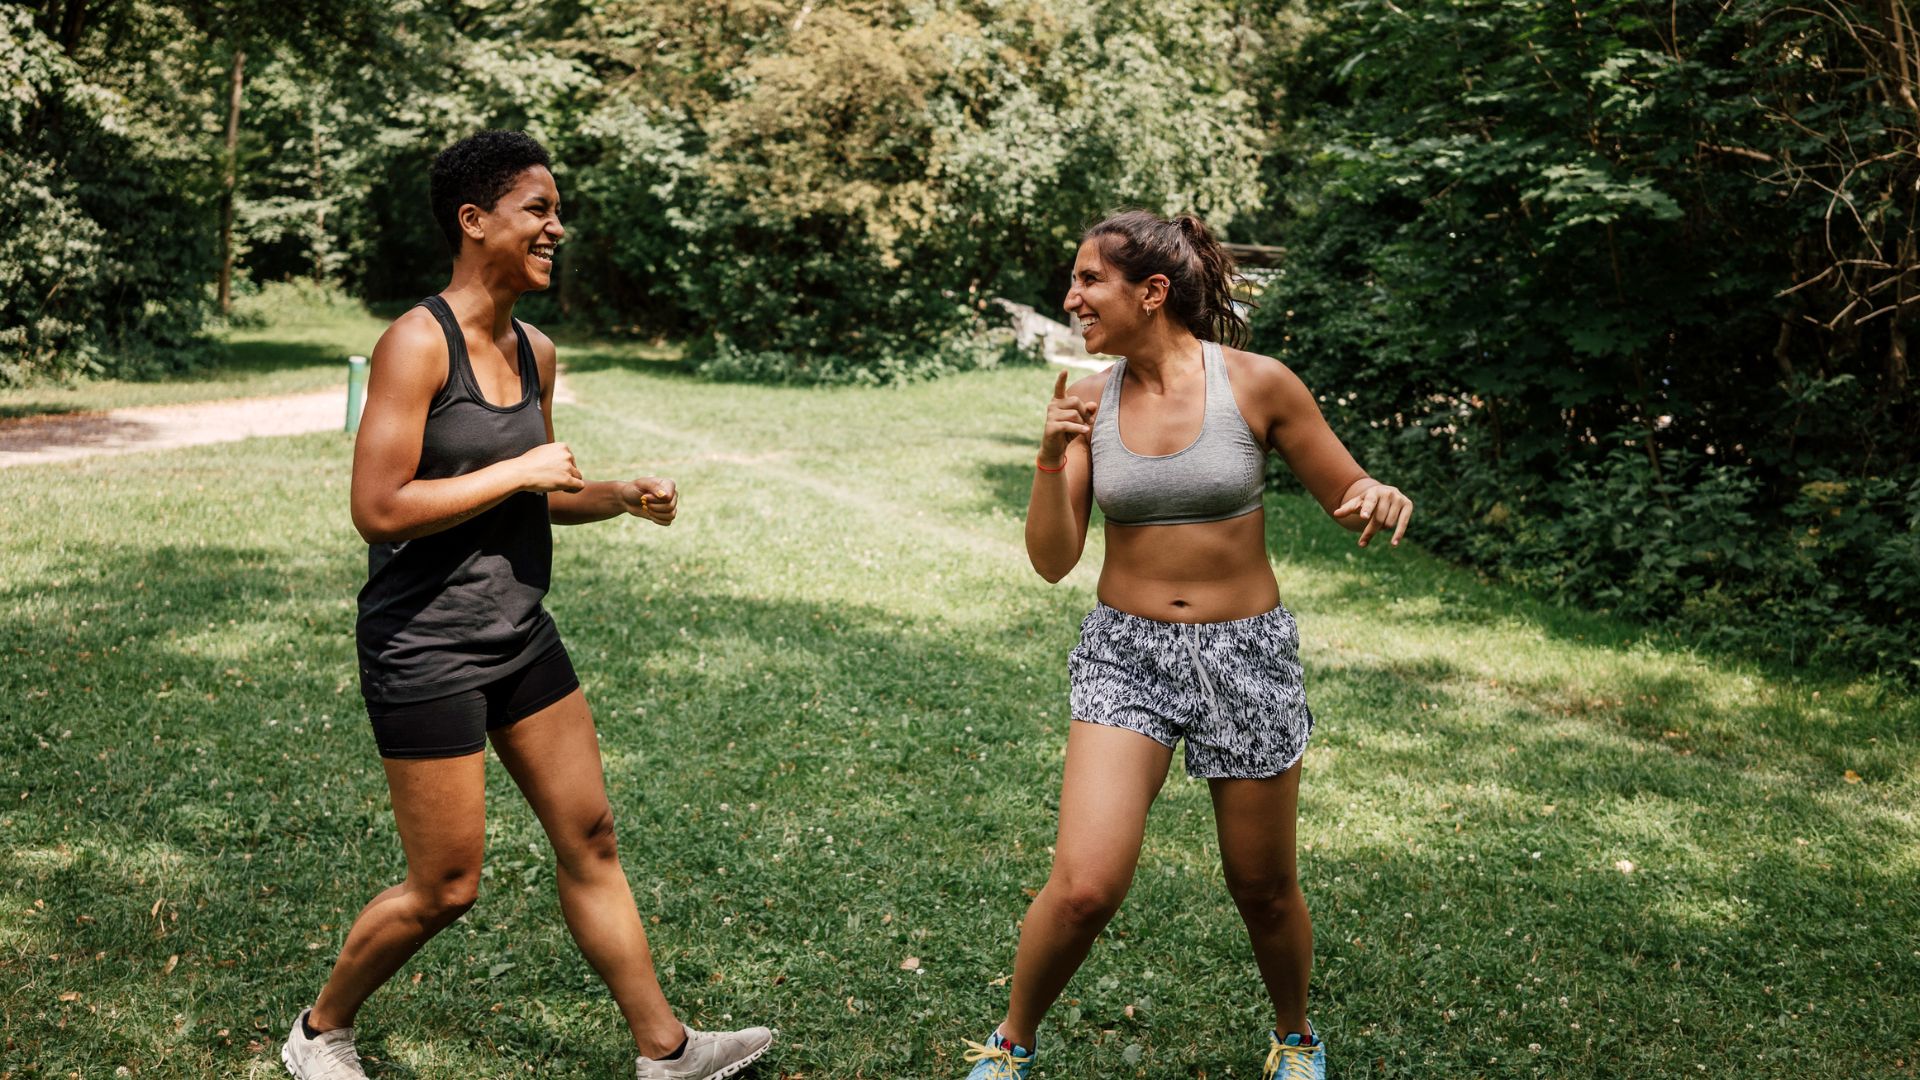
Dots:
(329, 1056)
(709, 1055)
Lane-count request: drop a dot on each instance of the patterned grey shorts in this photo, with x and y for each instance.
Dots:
(1232, 689)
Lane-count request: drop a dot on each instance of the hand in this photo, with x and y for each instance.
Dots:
(1068, 418)
(549, 467)
(650, 497)
(1381, 507)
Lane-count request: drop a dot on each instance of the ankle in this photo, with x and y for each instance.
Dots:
(659, 1043)
(321, 1022)
(1025, 1040)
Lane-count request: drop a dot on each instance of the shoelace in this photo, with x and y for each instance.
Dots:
(1296, 1060)
(1006, 1065)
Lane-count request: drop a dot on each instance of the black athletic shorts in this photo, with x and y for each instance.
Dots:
(457, 724)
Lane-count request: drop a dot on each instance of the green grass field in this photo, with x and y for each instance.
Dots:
(833, 704)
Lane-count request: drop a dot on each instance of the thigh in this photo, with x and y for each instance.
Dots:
(554, 758)
(1112, 777)
(440, 807)
(444, 727)
(1256, 821)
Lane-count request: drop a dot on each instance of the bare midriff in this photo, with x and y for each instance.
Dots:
(1213, 571)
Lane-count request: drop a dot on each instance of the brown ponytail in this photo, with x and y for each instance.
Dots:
(1200, 274)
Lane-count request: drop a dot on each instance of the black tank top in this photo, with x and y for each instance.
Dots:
(460, 608)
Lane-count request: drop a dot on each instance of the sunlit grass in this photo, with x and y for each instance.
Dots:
(832, 703)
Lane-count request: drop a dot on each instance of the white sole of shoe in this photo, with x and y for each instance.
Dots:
(739, 1066)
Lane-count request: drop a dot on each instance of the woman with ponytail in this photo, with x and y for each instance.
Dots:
(1189, 639)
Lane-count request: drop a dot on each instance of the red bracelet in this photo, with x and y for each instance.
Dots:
(1043, 468)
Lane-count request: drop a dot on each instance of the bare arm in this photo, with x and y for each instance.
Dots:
(1321, 462)
(389, 504)
(597, 500)
(1062, 496)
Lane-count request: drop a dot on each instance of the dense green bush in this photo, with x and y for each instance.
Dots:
(1577, 280)
(103, 264)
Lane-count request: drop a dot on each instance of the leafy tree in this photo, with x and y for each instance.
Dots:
(1548, 258)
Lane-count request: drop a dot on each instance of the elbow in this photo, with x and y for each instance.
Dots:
(373, 527)
(1051, 571)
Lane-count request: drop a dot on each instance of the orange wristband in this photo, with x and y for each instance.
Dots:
(1043, 468)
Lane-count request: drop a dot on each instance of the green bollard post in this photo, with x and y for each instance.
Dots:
(356, 391)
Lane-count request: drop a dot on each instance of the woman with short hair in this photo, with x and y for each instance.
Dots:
(456, 482)
(1189, 639)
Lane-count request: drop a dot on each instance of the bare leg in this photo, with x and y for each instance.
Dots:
(1255, 819)
(440, 807)
(1112, 777)
(554, 756)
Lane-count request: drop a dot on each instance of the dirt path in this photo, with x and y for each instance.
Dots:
(39, 440)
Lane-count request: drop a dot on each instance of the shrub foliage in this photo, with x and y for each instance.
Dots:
(1627, 299)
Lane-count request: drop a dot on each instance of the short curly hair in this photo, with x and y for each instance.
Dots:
(479, 169)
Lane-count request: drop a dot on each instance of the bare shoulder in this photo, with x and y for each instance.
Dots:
(1261, 374)
(545, 352)
(413, 346)
(1089, 388)
(1269, 393)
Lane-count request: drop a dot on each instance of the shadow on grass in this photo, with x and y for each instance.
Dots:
(188, 717)
(243, 358)
(587, 356)
(808, 792)
(25, 409)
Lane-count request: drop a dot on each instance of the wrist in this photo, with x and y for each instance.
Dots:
(1044, 465)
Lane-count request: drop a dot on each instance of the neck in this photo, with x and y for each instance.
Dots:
(1165, 350)
(478, 300)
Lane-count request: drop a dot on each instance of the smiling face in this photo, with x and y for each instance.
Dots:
(518, 236)
(1110, 308)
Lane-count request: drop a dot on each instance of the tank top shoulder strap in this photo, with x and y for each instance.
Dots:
(1106, 422)
(459, 381)
(1220, 402)
(529, 364)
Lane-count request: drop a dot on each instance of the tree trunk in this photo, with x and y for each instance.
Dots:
(226, 190)
(1897, 344)
(72, 22)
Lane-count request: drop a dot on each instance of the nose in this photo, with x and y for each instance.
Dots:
(1073, 297)
(555, 229)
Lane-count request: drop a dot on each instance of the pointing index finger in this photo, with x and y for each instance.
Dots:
(1060, 386)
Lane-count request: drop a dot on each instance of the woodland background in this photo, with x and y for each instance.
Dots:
(1623, 293)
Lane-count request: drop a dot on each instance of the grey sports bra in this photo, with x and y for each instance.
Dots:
(1220, 475)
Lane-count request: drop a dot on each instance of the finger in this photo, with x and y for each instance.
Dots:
(1092, 408)
(1402, 529)
(1060, 386)
(1346, 508)
(1366, 533)
(1367, 504)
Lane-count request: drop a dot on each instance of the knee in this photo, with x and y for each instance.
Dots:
(450, 894)
(1266, 898)
(1088, 904)
(591, 841)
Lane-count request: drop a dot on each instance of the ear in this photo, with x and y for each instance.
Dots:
(473, 222)
(1154, 292)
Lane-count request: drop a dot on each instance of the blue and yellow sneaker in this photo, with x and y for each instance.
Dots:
(998, 1059)
(1294, 1058)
